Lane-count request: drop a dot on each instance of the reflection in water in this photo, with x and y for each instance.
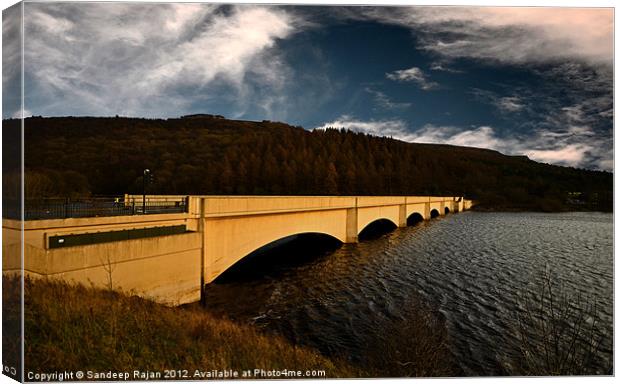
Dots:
(471, 268)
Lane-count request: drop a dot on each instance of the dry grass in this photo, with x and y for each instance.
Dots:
(11, 325)
(81, 328)
(73, 327)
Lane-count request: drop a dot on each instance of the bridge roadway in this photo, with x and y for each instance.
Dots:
(147, 255)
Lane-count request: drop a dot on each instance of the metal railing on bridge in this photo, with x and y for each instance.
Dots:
(61, 208)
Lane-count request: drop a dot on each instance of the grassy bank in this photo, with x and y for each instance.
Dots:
(78, 328)
(73, 327)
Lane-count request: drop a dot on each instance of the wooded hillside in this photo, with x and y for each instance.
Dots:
(71, 156)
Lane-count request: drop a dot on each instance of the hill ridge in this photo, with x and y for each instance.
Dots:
(213, 155)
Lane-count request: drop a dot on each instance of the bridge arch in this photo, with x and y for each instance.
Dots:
(446, 210)
(234, 228)
(415, 218)
(368, 215)
(291, 250)
(229, 240)
(377, 228)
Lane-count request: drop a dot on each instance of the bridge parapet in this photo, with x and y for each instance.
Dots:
(219, 231)
(249, 205)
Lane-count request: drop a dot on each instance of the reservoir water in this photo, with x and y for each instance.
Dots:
(474, 270)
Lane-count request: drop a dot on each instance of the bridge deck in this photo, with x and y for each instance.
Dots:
(169, 256)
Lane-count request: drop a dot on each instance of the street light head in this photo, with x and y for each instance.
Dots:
(146, 171)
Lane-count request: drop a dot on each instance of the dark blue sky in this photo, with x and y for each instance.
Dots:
(533, 81)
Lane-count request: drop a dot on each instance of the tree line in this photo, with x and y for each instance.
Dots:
(78, 156)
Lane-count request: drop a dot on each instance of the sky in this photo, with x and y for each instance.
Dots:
(523, 81)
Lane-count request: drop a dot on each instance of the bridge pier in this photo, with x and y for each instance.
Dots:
(351, 236)
(402, 214)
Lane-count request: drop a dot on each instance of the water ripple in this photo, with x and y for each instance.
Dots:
(471, 267)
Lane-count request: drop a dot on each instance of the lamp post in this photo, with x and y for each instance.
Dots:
(145, 177)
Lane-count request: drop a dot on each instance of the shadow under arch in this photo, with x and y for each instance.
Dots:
(376, 229)
(414, 219)
(434, 213)
(446, 210)
(279, 256)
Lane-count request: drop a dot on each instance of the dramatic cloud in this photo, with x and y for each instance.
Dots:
(508, 34)
(414, 75)
(150, 59)
(535, 81)
(565, 115)
(572, 147)
(11, 61)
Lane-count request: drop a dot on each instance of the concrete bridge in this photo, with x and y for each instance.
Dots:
(169, 257)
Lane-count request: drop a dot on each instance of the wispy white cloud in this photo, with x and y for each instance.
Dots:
(510, 104)
(483, 137)
(226, 48)
(574, 146)
(569, 49)
(443, 67)
(389, 128)
(11, 61)
(384, 102)
(480, 137)
(502, 103)
(154, 53)
(185, 15)
(510, 34)
(572, 154)
(414, 75)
